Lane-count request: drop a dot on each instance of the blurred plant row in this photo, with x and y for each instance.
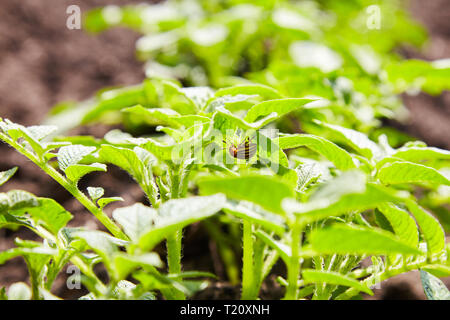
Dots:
(334, 188)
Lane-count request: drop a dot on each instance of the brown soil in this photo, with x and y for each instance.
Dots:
(43, 63)
(430, 116)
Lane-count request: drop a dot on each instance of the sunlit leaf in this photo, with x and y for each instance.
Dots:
(95, 193)
(130, 161)
(76, 171)
(408, 172)
(416, 154)
(357, 140)
(6, 175)
(256, 215)
(165, 117)
(124, 263)
(331, 277)
(17, 199)
(72, 155)
(249, 89)
(47, 212)
(341, 238)
(307, 174)
(310, 54)
(431, 229)
(341, 158)
(105, 201)
(279, 106)
(135, 220)
(402, 223)
(225, 120)
(265, 191)
(102, 243)
(176, 214)
(344, 194)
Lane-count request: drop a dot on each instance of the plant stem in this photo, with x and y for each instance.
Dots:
(86, 202)
(174, 259)
(77, 261)
(174, 240)
(294, 264)
(268, 264)
(72, 188)
(249, 288)
(173, 252)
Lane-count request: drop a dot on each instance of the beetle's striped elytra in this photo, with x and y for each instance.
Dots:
(245, 150)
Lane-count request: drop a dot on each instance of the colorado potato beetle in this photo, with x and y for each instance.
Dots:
(244, 150)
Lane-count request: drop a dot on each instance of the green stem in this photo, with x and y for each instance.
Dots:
(173, 252)
(259, 252)
(35, 279)
(174, 240)
(294, 264)
(268, 264)
(248, 284)
(174, 259)
(78, 262)
(87, 203)
(174, 181)
(101, 288)
(81, 197)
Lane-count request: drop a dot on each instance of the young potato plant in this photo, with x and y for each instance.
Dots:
(329, 49)
(321, 202)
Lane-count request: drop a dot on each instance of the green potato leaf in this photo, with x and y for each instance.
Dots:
(431, 229)
(176, 214)
(407, 172)
(341, 158)
(6, 175)
(278, 106)
(402, 223)
(342, 239)
(331, 277)
(266, 191)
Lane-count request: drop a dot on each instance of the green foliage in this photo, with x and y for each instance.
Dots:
(172, 215)
(407, 172)
(340, 158)
(401, 222)
(315, 276)
(358, 240)
(265, 191)
(316, 191)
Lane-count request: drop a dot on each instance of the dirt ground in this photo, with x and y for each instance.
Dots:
(43, 63)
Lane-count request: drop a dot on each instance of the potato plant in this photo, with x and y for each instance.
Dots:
(285, 153)
(301, 48)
